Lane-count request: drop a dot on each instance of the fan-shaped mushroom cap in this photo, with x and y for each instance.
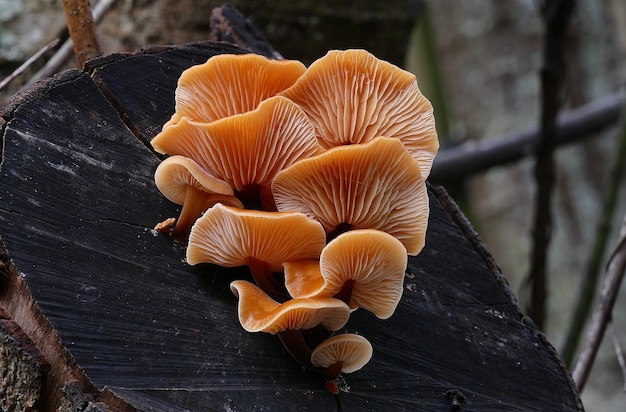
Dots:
(373, 260)
(244, 149)
(353, 97)
(176, 173)
(376, 185)
(354, 351)
(259, 313)
(230, 237)
(184, 182)
(230, 84)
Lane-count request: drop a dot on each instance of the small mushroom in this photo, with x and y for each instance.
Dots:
(376, 185)
(259, 313)
(364, 268)
(232, 237)
(353, 97)
(229, 84)
(184, 182)
(245, 150)
(345, 353)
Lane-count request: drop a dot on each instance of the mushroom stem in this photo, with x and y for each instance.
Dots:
(318, 335)
(194, 205)
(265, 279)
(250, 196)
(294, 343)
(339, 229)
(345, 293)
(331, 374)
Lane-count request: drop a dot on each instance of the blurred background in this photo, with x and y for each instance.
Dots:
(478, 61)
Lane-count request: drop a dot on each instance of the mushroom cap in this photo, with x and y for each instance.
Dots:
(353, 97)
(176, 173)
(244, 149)
(259, 313)
(353, 350)
(303, 278)
(376, 185)
(230, 237)
(229, 84)
(375, 261)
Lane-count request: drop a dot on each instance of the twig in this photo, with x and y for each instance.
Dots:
(82, 30)
(65, 51)
(589, 285)
(455, 163)
(18, 72)
(602, 313)
(619, 353)
(556, 14)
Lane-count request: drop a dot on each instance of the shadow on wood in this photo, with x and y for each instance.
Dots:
(121, 321)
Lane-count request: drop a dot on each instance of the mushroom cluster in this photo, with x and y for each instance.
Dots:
(314, 178)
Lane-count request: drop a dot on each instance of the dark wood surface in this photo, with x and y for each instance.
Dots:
(77, 204)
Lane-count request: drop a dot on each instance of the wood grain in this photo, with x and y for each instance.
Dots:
(77, 204)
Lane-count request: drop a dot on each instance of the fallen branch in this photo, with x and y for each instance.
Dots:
(456, 163)
(602, 314)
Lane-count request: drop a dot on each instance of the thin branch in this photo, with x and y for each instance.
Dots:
(82, 30)
(456, 163)
(65, 51)
(619, 353)
(24, 66)
(602, 313)
(588, 288)
(556, 14)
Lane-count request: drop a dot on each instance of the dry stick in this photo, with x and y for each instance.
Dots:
(602, 314)
(588, 288)
(18, 72)
(65, 51)
(619, 353)
(82, 30)
(556, 14)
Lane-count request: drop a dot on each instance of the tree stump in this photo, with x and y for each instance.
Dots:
(99, 312)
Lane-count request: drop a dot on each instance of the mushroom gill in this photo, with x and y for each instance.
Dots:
(184, 182)
(259, 313)
(229, 84)
(352, 97)
(376, 185)
(245, 150)
(345, 353)
(232, 237)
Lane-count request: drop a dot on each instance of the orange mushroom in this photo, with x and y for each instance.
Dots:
(259, 313)
(232, 237)
(364, 268)
(245, 150)
(184, 182)
(345, 353)
(353, 97)
(376, 185)
(229, 84)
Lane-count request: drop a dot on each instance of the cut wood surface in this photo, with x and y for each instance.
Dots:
(136, 328)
